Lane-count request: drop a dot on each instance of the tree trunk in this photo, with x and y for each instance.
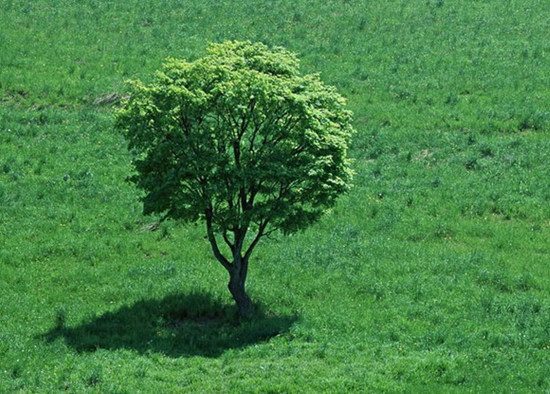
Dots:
(237, 289)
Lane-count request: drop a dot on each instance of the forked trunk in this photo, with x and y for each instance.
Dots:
(237, 288)
(238, 268)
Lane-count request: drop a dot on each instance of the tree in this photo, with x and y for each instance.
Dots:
(241, 140)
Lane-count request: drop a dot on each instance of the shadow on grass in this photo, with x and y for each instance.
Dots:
(177, 325)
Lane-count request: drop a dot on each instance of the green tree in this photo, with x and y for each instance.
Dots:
(241, 140)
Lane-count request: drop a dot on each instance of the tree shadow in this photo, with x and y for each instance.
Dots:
(177, 325)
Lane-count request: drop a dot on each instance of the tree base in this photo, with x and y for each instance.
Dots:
(245, 307)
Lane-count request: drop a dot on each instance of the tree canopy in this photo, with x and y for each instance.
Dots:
(241, 140)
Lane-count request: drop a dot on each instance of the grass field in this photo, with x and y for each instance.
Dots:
(431, 275)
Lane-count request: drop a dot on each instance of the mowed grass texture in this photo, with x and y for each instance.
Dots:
(432, 274)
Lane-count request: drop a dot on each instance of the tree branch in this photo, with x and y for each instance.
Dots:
(259, 235)
(228, 241)
(213, 242)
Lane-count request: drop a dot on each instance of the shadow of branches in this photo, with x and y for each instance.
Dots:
(177, 325)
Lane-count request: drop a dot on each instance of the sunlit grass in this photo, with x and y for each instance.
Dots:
(430, 275)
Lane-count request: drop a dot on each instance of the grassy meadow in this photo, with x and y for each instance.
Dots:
(431, 275)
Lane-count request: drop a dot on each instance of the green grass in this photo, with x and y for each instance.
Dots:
(431, 275)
